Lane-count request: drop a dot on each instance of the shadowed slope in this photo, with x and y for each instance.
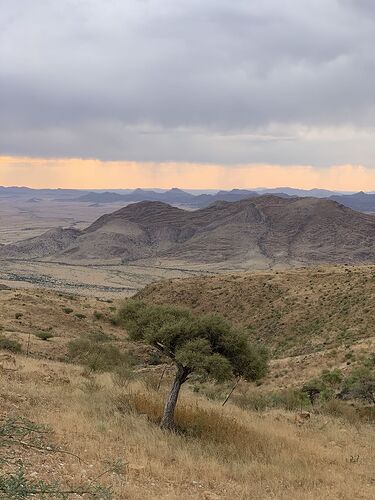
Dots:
(262, 231)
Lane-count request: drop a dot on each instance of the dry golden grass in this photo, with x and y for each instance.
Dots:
(26, 313)
(223, 452)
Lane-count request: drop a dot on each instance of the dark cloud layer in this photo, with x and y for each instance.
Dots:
(222, 81)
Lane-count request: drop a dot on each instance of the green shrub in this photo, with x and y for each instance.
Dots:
(332, 378)
(97, 356)
(99, 336)
(18, 315)
(10, 345)
(80, 316)
(332, 390)
(154, 358)
(98, 315)
(360, 385)
(67, 310)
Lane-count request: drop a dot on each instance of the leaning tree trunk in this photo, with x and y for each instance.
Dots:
(167, 422)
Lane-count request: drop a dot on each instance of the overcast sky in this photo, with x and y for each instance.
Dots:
(214, 81)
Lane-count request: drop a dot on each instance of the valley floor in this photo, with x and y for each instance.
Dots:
(99, 279)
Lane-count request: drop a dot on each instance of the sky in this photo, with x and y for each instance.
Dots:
(162, 93)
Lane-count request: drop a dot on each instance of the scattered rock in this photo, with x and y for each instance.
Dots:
(208, 495)
(302, 417)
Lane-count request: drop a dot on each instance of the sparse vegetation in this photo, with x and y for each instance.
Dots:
(16, 482)
(333, 385)
(10, 345)
(97, 354)
(80, 315)
(44, 335)
(294, 312)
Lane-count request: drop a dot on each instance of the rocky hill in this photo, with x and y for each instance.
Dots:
(258, 232)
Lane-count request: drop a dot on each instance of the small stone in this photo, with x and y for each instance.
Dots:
(208, 495)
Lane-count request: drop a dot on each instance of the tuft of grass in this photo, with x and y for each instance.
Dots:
(10, 345)
(98, 315)
(44, 335)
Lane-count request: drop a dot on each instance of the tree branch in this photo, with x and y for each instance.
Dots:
(231, 391)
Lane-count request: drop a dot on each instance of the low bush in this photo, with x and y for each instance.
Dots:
(331, 392)
(99, 336)
(80, 316)
(98, 315)
(10, 345)
(360, 384)
(97, 356)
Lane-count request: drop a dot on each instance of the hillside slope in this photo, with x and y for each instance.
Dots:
(101, 428)
(292, 312)
(263, 231)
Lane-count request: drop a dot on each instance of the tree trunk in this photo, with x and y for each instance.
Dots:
(167, 422)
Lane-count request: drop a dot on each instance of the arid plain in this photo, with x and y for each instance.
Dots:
(22, 218)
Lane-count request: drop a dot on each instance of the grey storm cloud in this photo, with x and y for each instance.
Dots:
(158, 80)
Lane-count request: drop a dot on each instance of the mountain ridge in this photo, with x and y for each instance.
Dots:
(262, 231)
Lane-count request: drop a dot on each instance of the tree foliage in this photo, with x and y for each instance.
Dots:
(207, 345)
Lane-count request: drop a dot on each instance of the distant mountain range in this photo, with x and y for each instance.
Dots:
(362, 202)
(262, 231)
(173, 196)
(22, 191)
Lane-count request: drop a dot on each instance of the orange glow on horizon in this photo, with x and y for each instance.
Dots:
(96, 174)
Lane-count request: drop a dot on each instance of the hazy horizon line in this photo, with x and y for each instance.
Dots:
(91, 174)
(186, 189)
